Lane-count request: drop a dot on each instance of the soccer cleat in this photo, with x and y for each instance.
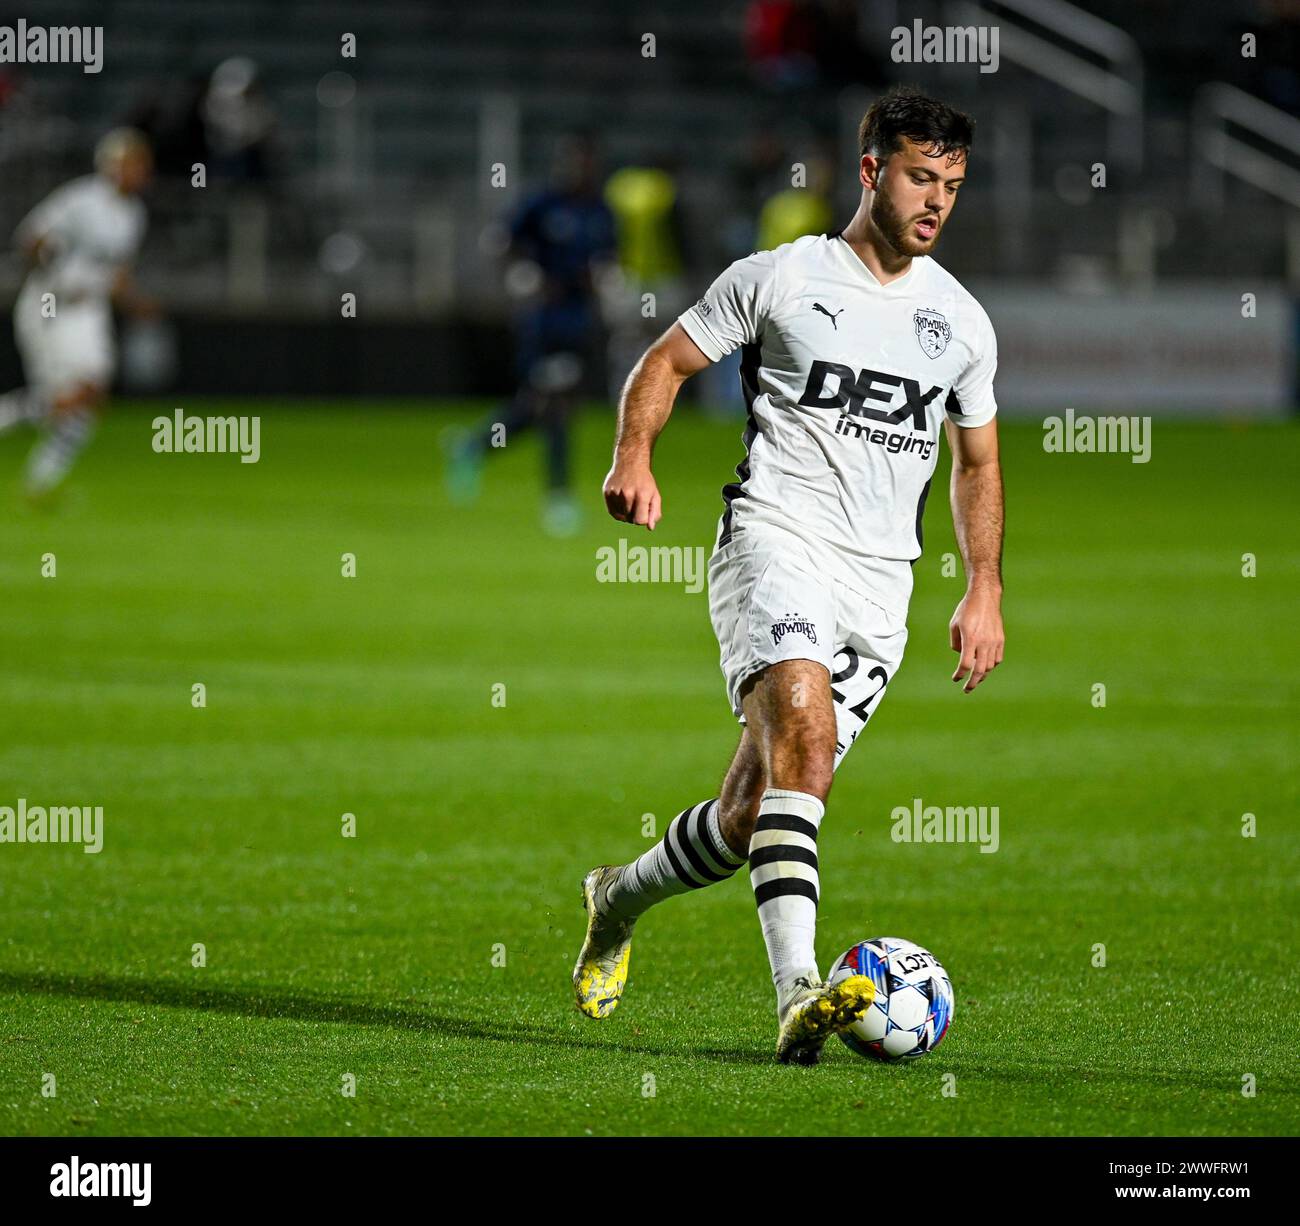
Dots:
(463, 475)
(601, 973)
(562, 516)
(816, 1013)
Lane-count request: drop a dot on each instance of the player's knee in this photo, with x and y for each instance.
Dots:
(81, 396)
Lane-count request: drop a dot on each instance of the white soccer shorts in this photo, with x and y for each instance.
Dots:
(768, 605)
(74, 347)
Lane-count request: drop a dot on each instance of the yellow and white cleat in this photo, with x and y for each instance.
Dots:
(601, 973)
(818, 1011)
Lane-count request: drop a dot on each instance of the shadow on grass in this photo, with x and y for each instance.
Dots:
(279, 1003)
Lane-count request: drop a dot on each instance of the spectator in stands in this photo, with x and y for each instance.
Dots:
(797, 209)
(781, 42)
(794, 44)
(239, 122)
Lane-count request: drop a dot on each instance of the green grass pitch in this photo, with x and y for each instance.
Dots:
(373, 956)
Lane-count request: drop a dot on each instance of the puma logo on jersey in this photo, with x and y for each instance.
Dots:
(817, 306)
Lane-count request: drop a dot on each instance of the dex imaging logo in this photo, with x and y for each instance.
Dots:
(854, 388)
(131, 1180)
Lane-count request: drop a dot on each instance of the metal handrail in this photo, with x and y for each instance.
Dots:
(1219, 105)
(1118, 88)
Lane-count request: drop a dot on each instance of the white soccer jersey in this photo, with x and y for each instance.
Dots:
(90, 230)
(847, 382)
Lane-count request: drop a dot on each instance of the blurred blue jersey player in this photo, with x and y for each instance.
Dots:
(560, 239)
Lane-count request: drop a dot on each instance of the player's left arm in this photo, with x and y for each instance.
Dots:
(975, 631)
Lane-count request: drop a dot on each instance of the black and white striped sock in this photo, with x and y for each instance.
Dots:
(692, 854)
(783, 872)
(54, 453)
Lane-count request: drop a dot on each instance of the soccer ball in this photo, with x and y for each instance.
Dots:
(913, 1003)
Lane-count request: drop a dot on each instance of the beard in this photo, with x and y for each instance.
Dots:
(897, 230)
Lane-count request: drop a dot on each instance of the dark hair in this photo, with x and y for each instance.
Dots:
(907, 112)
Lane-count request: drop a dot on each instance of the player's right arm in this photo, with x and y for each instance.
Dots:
(730, 314)
(129, 298)
(34, 245)
(631, 494)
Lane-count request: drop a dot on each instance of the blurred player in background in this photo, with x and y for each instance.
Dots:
(80, 243)
(649, 283)
(561, 242)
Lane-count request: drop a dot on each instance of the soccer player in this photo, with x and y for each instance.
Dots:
(856, 346)
(561, 240)
(80, 242)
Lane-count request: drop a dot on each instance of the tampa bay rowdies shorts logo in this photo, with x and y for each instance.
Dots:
(932, 330)
(792, 623)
